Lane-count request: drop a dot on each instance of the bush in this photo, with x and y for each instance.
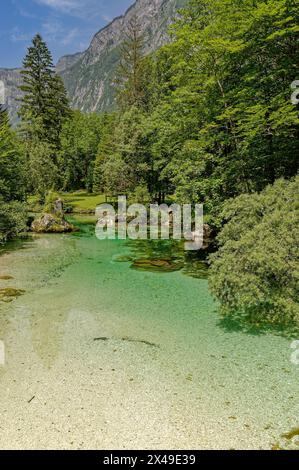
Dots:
(13, 219)
(255, 273)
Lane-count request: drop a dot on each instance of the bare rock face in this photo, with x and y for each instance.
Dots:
(50, 223)
(12, 80)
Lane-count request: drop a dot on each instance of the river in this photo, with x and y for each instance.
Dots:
(102, 356)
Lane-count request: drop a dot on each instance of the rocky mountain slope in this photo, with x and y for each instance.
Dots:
(88, 75)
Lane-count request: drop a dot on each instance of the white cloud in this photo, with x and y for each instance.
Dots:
(79, 8)
(18, 36)
(71, 36)
(91, 10)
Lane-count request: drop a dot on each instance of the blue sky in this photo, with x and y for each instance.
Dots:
(66, 25)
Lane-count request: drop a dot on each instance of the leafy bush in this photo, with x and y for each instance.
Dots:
(255, 273)
(13, 218)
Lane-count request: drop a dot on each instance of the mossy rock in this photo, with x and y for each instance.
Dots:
(9, 294)
(157, 265)
(289, 441)
(49, 223)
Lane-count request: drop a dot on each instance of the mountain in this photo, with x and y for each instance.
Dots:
(12, 80)
(88, 75)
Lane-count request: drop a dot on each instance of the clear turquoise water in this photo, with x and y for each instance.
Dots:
(99, 355)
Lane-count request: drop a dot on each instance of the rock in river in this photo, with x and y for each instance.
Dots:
(49, 223)
(157, 265)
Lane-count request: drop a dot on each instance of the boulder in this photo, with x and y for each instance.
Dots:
(157, 265)
(49, 223)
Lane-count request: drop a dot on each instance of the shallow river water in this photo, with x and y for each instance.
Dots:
(99, 355)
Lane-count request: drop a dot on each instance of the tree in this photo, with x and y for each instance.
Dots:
(130, 77)
(224, 121)
(12, 187)
(44, 95)
(114, 176)
(11, 162)
(105, 149)
(80, 138)
(254, 274)
(41, 169)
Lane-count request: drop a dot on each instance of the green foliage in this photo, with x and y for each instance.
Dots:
(220, 100)
(12, 187)
(255, 273)
(105, 148)
(44, 95)
(11, 162)
(42, 169)
(141, 195)
(215, 119)
(80, 138)
(13, 218)
(115, 178)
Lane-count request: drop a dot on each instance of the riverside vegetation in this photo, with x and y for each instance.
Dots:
(205, 119)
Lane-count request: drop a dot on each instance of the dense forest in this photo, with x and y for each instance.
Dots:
(207, 118)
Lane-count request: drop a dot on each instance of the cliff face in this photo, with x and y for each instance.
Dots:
(12, 80)
(88, 75)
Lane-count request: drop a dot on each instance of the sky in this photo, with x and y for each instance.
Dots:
(66, 25)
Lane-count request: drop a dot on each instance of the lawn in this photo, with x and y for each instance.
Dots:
(83, 202)
(79, 202)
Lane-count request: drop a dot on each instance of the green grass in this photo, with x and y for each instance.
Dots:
(82, 201)
(79, 201)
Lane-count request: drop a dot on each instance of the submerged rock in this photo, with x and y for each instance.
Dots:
(157, 265)
(9, 294)
(288, 441)
(49, 223)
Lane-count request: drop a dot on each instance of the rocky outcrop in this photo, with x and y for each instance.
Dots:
(89, 80)
(12, 80)
(50, 223)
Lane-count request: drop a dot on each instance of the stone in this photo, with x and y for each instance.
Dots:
(9, 294)
(157, 265)
(49, 223)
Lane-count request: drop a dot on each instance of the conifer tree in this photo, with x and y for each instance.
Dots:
(130, 74)
(44, 96)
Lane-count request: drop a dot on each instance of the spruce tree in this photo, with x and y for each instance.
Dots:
(130, 73)
(44, 96)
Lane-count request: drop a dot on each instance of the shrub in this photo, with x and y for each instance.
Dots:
(13, 219)
(255, 273)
